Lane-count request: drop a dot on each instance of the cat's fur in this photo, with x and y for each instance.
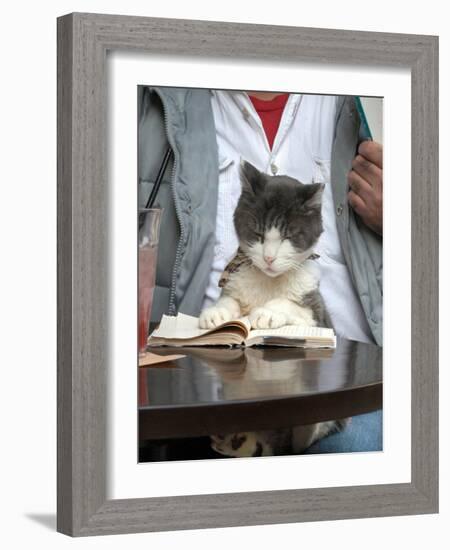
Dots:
(278, 222)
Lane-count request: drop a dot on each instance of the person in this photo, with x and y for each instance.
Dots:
(311, 137)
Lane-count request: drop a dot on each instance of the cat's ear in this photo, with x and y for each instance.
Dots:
(252, 180)
(312, 195)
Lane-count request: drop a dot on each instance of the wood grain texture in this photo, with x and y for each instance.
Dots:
(64, 198)
(424, 260)
(82, 261)
(83, 40)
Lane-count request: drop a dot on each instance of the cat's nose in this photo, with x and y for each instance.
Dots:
(269, 259)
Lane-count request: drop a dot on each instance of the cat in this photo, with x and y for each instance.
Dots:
(274, 281)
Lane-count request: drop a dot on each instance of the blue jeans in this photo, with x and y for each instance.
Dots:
(363, 433)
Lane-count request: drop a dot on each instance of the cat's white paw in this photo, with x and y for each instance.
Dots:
(262, 317)
(212, 317)
(299, 321)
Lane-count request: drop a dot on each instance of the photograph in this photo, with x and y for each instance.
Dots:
(247, 274)
(229, 241)
(260, 267)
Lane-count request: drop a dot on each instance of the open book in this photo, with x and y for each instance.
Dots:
(183, 330)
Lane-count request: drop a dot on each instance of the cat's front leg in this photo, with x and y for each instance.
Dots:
(226, 309)
(264, 317)
(279, 312)
(294, 313)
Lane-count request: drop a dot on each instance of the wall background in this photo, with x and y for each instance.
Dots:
(28, 272)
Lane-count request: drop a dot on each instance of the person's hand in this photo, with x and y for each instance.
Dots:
(366, 185)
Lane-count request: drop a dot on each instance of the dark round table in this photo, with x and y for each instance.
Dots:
(222, 390)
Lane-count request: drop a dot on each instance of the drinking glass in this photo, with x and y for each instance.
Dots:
(149, 223)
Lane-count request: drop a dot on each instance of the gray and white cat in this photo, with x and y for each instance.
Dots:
(274, 282)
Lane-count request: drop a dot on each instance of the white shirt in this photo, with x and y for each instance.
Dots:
(301, 149)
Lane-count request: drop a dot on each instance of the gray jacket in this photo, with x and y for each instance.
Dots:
(183, 119)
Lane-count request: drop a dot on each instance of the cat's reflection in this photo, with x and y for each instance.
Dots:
(257, 372)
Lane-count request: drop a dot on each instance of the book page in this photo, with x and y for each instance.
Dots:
(186, 327)
(293, 331)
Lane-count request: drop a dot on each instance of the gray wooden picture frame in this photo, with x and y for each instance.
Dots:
(83, 41)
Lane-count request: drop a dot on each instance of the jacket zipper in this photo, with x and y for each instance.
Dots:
(176, 266)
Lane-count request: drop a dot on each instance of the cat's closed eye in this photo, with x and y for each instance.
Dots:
(291, 236)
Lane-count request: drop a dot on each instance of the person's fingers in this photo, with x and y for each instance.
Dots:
(359, 186)
(367, 170)
(372, 151)
(356, 202)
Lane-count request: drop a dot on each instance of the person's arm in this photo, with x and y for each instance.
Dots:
(366, 185)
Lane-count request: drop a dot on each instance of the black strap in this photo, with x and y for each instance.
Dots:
(159, 177)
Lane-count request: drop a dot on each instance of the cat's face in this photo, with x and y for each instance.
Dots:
(277, 220)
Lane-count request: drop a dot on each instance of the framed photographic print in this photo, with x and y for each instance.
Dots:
(212, 177)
